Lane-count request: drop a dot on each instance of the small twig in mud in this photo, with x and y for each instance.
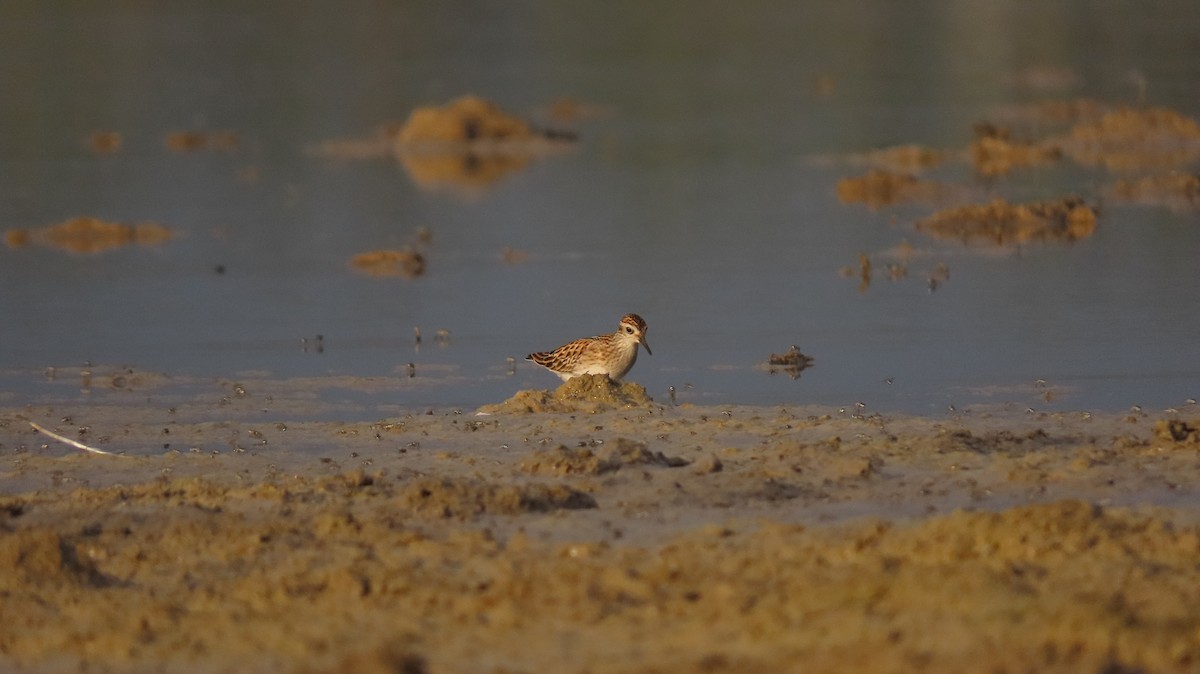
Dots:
(69, 441)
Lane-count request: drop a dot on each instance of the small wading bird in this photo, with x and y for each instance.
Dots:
(611, 355)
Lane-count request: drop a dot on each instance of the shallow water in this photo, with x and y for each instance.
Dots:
(702, 196)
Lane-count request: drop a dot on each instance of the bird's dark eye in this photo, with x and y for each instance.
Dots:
(629, 330)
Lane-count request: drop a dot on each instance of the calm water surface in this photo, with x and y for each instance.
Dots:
(702, 196)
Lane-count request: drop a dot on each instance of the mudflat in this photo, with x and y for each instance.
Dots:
(612, 533)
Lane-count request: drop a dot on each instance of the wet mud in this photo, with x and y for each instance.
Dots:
(619, 537)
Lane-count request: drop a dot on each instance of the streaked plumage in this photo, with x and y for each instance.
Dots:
(612, 355)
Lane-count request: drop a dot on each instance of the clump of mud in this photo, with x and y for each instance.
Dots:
(1177, 191)
(791, 362)
(564, 460)
(89, 235)
(465, 498)
(994, 152)
(195, 141)
(909, 158)
(1002, 224)
(1130, 138)
(404, 262)
(879, 188)
(1175, 430)
(469, 119)
(587, 393)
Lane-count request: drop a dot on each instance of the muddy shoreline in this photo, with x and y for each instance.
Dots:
(633, 537)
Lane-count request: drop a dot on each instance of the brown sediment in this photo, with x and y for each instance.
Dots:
(89, 235)
(105, 142)
(406, 262)
(994, 152)
(469, 119)
(1000, 223)
(878, 189)
(906, 158)
(1178, 191)
(512, 255)
(587, 393)
(193, 141)
(1134, 138)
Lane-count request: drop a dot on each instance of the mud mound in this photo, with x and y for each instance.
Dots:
(587, 393)
(1002, 224)
(994, 152)
(469, 143)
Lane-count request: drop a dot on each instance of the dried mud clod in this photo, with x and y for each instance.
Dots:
(465, 498)
(89, 235)
(564, 460)
(791, 362)
(585, 393)
(1002, 224)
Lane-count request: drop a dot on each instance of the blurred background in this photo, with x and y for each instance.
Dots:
(701, 191)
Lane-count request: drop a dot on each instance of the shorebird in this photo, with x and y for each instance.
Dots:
(611, 355)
